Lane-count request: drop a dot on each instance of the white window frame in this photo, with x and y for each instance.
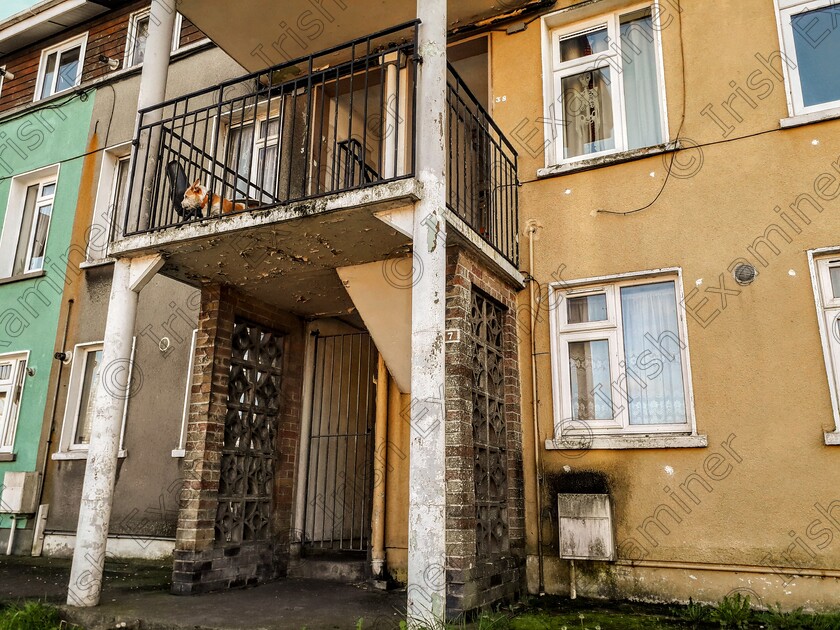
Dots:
(615, 433)
(14, 216)
(14, 385)
(785, 10)
(78, 41)
(254, 116)
(105, 206)
(181, 451)
(133, 21)
(828, 312)
(67, 448)
(556, 26)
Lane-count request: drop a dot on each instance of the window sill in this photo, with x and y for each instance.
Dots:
(70, 455)
(92, 264)
(641, 441)
(605, 160)
(807, 119)
(7, 457)
(23, 276)
(832, 438)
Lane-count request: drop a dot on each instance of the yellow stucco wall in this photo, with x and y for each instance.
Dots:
(756, 358)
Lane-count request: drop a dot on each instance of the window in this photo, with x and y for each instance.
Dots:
(810, 33)
(26, 226)
(111, 201)
(81, 392)
(61, 67)
(605, 91)
(138, 33)
(253, 157)
(827, 293)
(91, 362)
(620, 358)
(12, 374)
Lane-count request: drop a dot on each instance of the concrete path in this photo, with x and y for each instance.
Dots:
(138, 596)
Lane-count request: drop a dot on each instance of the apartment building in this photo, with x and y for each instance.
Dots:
(70, 107)
(493, 298)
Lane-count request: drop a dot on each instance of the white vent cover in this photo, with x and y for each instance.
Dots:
(586, 531)
(20, 493)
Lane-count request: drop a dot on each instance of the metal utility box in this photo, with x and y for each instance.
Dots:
(20, 493)
(586, 527)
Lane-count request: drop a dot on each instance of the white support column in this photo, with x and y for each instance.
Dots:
(427, 481)
(130, 276)
(153, 91)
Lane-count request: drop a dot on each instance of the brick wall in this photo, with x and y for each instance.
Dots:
(200, 563)
(476, 582)
(107, 35)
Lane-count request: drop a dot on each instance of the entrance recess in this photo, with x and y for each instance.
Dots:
(340, 474)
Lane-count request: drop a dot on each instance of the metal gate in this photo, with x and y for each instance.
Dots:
(340, 474)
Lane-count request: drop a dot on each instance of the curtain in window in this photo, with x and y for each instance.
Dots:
(651, 342)
(589, 369)
(641, 89)
(240, 147)
(588, 115)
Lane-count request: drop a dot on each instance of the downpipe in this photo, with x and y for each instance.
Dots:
(532, 229)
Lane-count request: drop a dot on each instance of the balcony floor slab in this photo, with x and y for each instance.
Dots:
(287, 256)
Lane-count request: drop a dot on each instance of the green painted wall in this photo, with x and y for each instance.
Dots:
(37, 139)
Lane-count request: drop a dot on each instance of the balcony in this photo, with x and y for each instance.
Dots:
(320, 127)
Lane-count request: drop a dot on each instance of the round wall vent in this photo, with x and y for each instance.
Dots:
(744, 273)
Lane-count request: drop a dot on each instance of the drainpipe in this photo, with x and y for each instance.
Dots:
(130, 276)
(392, 116)
(426, 591)
(380, 469)
(536, 408)
(54, 405)
(11, 543)
(298, 535)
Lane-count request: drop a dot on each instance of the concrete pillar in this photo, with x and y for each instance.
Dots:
(130, 276)
(426, 597)
(153, 91)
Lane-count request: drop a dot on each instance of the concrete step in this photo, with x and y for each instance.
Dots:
(347, 571)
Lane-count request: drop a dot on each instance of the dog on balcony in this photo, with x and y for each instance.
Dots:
(197, 199)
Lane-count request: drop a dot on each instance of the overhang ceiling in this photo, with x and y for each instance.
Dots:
(290, 266)
(44, 20)
(246, 30)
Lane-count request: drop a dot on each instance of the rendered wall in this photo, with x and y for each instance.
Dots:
(149, 478)
(29, 308)
(758, 371)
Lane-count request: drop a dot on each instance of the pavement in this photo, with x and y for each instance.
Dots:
(136, 596)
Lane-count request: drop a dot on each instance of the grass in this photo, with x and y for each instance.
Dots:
(30, 616)
(553, 613)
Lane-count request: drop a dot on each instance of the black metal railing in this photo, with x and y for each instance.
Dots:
(482, 187)
(331, 122)
(339, 120)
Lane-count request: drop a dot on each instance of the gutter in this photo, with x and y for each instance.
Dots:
(534, 6)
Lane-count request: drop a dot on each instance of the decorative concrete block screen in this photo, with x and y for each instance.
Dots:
(247, 466)
(489, 435)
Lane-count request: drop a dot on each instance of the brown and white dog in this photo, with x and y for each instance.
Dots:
(197, 198)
